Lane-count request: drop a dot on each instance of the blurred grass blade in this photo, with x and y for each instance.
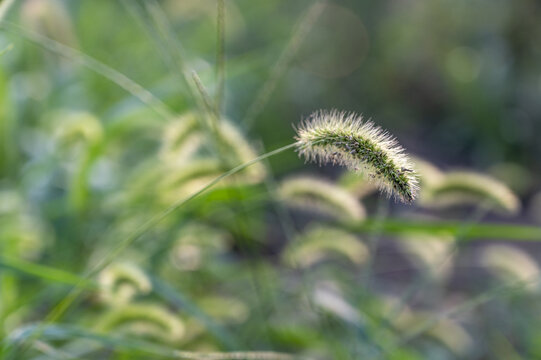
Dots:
(220, 54)
(6, 49)
(50, 352)
(392, 226)
(301, 30)
(45, 272)
(5, 6)
(203, 93)
(181, 301)
(172, 50)
(170, 45)
(100, 68)
(63, 332)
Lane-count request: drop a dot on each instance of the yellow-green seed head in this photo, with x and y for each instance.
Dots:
(121, 282)
(315, 194)
(143, 320)
(467, 187)
(345, 139)
(320, 242)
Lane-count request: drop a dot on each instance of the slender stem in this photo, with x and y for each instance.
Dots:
(171, 43)
(373, 242)
(220, 54)
(160, 30)
(175, 54)
(301, 30)
(209, 104)
(45, 272)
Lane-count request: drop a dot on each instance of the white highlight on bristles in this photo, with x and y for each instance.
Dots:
(345, 139)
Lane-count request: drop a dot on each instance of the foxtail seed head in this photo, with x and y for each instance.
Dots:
(143, 320)
(311, 193)
(344, 139)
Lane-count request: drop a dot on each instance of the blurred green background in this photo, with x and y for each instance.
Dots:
(455, 81)
(85, 163)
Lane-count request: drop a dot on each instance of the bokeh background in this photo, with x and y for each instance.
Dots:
(83, 163)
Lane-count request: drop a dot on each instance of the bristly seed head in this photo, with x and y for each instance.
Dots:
(345, 139)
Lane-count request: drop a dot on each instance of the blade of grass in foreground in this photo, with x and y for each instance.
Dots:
(130, 346)
(47, 273)
(393, 226)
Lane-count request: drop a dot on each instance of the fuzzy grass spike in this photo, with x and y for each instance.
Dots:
(345, 139)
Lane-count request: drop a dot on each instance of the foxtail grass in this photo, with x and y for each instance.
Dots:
(468, 188)
(310, 193)
(147, 320)
(120, 282)
(346, 139)
(322, 242)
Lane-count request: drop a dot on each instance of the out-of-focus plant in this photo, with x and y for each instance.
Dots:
(193, 242)
(314, 194)
(319, 243)
(120, 282)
